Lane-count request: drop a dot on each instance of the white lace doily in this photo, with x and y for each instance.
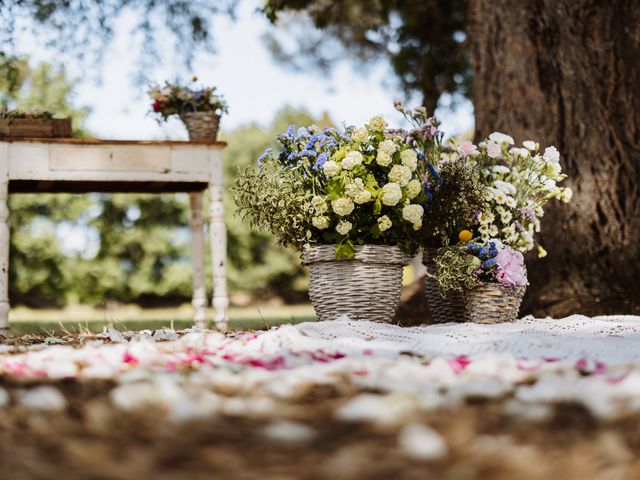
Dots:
(604, 338)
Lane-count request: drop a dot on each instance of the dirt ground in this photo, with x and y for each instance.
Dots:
(92, 440)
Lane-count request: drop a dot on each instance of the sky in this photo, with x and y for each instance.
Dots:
(254, 85)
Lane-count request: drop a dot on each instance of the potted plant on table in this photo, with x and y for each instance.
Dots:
(351, 201)
(199, 108)
(487, 265)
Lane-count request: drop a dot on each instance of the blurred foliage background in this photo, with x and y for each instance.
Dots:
(137, 247)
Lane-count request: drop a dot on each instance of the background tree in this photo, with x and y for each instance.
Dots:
(424, 42)
(567, 72)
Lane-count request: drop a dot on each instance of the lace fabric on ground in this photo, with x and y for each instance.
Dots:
(603, 338)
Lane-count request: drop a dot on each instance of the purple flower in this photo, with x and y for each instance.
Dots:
(510, 267)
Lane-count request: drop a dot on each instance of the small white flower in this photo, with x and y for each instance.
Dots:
(550, 184)
(409, 159)
(321, 222)
(377, 124)
(551, 154)
(510, 202)
(519, 152)
(342, 206)
(566, 195)
(506, 216)
(501, 169)
(383, 159)
(400, 175)
(388, 147)
(501, 138)
(553, 170)
(351, 160)
(498, 195)
(344, 227)
(493, 231)
(413, 188)
(331, 168)
(391, 194)
(413, 213)
(417, 225)
(360, 135)
(541, 252)
(384, 223)
(530, 145)
(506, 187)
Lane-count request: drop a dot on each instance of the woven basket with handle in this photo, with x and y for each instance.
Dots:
(493, 303)
(202, 126)
(449, 308)
(366, 287)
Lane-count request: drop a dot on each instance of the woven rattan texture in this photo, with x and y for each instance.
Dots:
(202, 126)
(493, 303)
(443, 309)
(366, 287)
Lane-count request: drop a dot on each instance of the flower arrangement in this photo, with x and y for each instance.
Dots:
(175, 99)
(518, 182)
(464, 266)
(359, 186)
(23, 114)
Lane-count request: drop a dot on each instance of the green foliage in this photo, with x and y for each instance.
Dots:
(455, 270)
(274, 200)
(454, 202)
(424, 41)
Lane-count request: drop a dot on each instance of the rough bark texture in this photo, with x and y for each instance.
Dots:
(567, 73)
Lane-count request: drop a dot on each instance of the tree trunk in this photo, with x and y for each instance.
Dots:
(567, 73)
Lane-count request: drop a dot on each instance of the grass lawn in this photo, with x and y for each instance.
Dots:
(129, 317)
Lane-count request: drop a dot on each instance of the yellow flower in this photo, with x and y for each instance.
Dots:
(465, 236)
(194, 78)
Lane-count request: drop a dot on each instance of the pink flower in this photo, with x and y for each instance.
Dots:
(511, 269)
(467, 149)
(493, 150)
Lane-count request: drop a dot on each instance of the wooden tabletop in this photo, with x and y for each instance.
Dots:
(97, 141)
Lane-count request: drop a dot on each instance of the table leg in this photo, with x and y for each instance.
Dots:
(4, 236)
(218, 234)
(199, 301)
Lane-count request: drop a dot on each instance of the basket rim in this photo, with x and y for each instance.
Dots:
(368, 253)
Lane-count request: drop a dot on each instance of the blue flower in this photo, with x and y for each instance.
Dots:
(308, 153)
(322, 159)
(489, 263)
(266, 153)
(291, 129)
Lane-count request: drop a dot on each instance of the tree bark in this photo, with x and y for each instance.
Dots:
(567, 73)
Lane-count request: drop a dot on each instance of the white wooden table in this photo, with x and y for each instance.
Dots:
(88, 165)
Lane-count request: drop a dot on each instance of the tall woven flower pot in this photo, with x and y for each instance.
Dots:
(202, 126)
(366, 287)
(493, 303)
(449, 308)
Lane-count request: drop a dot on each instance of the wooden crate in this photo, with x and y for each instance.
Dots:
(35, 127)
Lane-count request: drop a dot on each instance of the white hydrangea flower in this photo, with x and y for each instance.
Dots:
(320, 222)
(417, 225)
(413, 188)
(362, 196)
(352, 159)
(344, 227)
(384, 223)
(383, 159)
(391, 194)
(409, 159)
(331, 168)
(360, 135)
(319, 205)
(530, 145)
(413, 213)
(501, 138)
(388, 147)
(342, 206)
(551, 154)
(400, 175)
(377, 124)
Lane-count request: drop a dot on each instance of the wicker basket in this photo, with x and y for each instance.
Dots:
(202, 126)
(366, 287)
(493, 303)
(443, 309)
